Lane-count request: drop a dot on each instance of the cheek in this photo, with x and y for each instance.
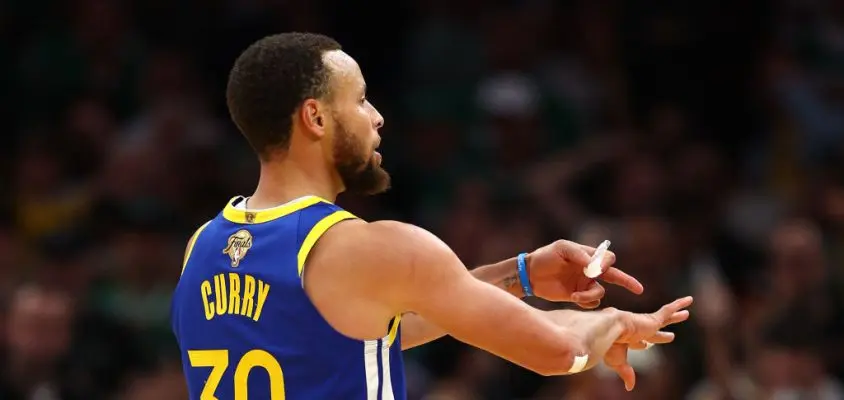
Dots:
(364, 136)
(364, 118)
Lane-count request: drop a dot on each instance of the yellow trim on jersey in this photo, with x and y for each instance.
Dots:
(394, 330)
(258, 217)
(191, 243)
(316, 232)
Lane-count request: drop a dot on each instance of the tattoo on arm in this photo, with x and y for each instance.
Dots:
(510, 281)
(504, 275)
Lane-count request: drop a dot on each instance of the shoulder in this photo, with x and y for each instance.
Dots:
(360, 274)
(354, 274)
(373, 244)
(192, 242)
(399, 234)
(384, 261)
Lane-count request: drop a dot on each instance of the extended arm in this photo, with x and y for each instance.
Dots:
(360, 274)
(556, 274)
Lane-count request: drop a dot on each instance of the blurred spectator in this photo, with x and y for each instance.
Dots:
(38, 338)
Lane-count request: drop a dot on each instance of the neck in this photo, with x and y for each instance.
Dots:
(285, 180)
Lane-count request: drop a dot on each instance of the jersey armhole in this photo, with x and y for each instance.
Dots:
(313, 236)
(393, 330)
(191, 243)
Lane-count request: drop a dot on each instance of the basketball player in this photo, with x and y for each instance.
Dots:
(285, 295)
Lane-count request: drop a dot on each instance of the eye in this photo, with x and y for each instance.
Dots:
(363, 100)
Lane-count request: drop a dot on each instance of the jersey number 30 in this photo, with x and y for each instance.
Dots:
(218, 361)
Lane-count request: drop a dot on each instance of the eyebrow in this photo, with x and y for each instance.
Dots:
(363, 89)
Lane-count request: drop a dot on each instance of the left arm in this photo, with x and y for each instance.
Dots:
(556, 274)
(416, 331)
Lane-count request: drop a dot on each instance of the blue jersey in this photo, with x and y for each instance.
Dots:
(248, 331)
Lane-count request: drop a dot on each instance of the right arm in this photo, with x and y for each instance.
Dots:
(361, 274)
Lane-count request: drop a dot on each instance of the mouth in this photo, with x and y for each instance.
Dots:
(377, 156)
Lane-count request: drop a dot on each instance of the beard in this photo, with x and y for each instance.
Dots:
(357, 167)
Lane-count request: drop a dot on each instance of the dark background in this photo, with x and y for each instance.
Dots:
(703, 138)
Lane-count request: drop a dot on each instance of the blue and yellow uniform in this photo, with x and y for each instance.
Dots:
(245, 326)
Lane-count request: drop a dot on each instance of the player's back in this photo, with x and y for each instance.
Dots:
(245, 326)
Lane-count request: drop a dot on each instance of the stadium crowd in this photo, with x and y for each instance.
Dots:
(705, 139)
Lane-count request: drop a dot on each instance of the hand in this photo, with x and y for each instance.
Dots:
(556, 274)
(646, 328)
(639, 330)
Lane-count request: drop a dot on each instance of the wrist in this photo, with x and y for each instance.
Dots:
(618, 319)
(522, 267)
(504, 274)
(513, 284)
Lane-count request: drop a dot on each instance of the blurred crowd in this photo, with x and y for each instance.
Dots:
(705, 139)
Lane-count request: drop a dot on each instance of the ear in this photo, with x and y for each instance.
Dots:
(312, 114)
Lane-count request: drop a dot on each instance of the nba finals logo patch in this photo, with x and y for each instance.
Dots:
(238, 245)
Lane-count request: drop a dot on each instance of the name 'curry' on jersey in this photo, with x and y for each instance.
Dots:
(245, 326)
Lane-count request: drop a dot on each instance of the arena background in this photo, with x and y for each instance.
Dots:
(704, 138)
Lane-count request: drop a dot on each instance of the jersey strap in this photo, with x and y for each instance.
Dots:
(393, 330)
(314, 221)
(191, 243)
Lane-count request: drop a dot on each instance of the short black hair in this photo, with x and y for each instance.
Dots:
(270, 80)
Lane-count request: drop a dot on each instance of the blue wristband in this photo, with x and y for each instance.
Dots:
(523, 275)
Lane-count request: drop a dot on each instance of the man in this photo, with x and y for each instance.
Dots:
(321, 303)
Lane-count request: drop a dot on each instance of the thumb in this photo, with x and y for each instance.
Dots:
(628, 375)
(616, 359)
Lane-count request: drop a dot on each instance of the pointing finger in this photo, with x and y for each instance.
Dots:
(618, 277)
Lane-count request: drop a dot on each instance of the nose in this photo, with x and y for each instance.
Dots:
(378, 120)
